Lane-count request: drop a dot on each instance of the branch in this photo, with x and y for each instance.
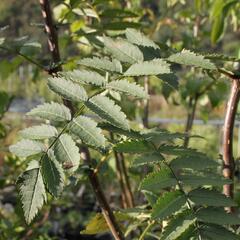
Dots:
(106, 211)
(229, 165)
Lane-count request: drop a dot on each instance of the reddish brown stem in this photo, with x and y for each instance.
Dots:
(106, 210)
(229, 166)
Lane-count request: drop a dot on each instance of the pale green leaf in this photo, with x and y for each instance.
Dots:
(102, 64)
(85, 77)
(186, 57)
(86, 129)
(168, 204)
(52, 111)
(146, 68)
(210, 198)
(39, 132)
(108, 111)
(128, 88)
(67, 89)
(25, 148)
(67, 152)
(123, 50)
(53, 175)
(136, 37)
(32, 192)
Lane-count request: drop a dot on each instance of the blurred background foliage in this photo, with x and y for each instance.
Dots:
(207, 26)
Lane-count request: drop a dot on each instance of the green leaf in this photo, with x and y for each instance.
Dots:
(178, 225)
(217, 216)
(102, 64)
(217, 28)
(210, 198)
(158, 180)
(96, 225)
(170, 80)
(213, 232)
(146, 68)
(52, 111)
(197, 179)
(26, 148)
(53, 175)
(197, 162)
(129, 133)
(134, 146)
(136, 37)
(32, 192)
(108, 111)
(147, 159)
(67, 89)
(168, 204)
(158, 135)
(128, 88)
(67, 152)
(120, 25)
(86, 129)
(85, 77)
(118, 13)
(123, 50)
(177, 150)
(39, 132)
(186, 57)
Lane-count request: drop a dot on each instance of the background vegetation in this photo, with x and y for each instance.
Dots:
(205, 26)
